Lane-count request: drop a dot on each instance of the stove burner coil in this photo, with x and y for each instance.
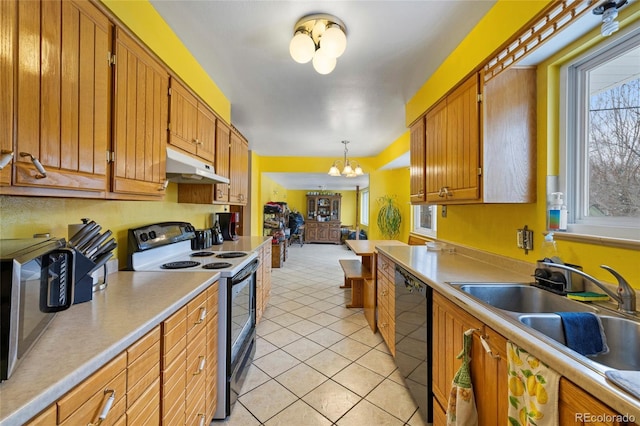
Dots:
(180, 265)
(202, 254)
(216, 265)
(231, 254)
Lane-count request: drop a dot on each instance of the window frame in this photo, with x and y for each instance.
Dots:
(415, 221)
(364, 207)
(573, 128)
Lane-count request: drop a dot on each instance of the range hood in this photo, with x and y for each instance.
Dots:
(182, 168)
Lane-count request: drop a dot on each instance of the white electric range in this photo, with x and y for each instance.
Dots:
(167, 247)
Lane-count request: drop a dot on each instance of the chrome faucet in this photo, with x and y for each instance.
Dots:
(626, 295)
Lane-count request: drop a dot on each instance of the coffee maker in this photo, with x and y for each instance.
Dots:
(228, 224)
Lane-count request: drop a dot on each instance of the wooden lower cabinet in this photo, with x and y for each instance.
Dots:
(322, 232)
(263, 280)
(143, 380)
(85, 402)
(489, 372)
(386, 293)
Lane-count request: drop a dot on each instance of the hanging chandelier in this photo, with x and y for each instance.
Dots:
(320, 38)
(351, 168)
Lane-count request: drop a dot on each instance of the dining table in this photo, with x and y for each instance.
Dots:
(366, 250)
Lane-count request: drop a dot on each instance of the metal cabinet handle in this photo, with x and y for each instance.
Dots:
(37, 164)
(5, 158)
(202, 419)
(487, 348)
(106, 408)
(203, 314)
(200, 365)
(164, 185)
(444, 192)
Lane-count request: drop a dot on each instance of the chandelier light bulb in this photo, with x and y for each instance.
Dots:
(302, 47)
(358, 171)
(333, 41)
(322, 62)
(333, 171)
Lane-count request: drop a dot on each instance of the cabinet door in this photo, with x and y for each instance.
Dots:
(435, 151)
(222, 160)
(140, 122)
(183, 118)
(463, 142)
(453, 146)
(335, 209)
(449, 325)
(417, 162)
(63, 95)
(206, 134)
(576, 407)
(239, 164)
(8, 10)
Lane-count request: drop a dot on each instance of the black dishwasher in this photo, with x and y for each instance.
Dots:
(414, 337)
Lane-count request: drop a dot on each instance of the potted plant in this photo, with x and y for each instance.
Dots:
(389, 217)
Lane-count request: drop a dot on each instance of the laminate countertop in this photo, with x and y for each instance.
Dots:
(438, 268)
(83, 338)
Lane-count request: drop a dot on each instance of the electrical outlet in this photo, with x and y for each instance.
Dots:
(524, 239)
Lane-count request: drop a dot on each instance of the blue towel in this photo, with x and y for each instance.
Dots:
(583, 333)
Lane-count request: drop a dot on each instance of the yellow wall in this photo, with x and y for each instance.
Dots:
(21, 217)
(141, 18)
(493, 227)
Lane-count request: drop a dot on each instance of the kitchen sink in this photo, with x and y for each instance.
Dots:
(523, 298)
(623, 338)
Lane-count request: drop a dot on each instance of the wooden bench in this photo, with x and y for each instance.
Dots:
(354, 275)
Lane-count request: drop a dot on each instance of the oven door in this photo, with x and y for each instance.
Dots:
(242, 317)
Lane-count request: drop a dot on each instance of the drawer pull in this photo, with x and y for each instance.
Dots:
(202, 419)
(107, 407)
(203, 314)
(200, 365)
(485, 345)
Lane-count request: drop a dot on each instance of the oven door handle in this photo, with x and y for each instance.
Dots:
(245, 272)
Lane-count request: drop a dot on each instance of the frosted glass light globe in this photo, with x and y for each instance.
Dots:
(322, 62)
(302, 48)
(333, 41)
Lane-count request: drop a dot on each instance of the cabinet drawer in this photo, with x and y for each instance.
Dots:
(142, 373)
(196, 315)
(46, 418)
(146, 409)
(141, 346)
(196, 404)
(212, 301)
(174, 329)
(86, 399)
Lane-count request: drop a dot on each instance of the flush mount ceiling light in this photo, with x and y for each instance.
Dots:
(321, 38)
(350, 169)
(609, 12)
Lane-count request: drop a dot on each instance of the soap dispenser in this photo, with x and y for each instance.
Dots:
(557, 216)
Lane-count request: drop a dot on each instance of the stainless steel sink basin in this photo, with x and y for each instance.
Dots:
(623, 338)
(522, 298)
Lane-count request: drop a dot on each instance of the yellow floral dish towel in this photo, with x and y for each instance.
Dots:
(533, 390)
(461, 407)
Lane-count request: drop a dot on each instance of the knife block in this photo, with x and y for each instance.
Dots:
(83, 282)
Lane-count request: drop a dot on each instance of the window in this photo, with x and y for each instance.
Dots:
(601, 175)
(364, 208)
(424, 220)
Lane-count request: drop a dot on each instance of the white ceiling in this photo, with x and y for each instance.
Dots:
(287, 109)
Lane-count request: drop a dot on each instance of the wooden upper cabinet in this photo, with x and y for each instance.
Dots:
(140, 120)
(8, 15)
(239, 164)
(63, 95)
(509, 139)
(192, 124)
(223, 134)
(453, 146)
(417, 162)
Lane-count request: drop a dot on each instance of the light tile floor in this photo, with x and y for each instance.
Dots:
(317, 362)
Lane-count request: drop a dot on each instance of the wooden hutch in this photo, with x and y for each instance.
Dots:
(323, 218)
